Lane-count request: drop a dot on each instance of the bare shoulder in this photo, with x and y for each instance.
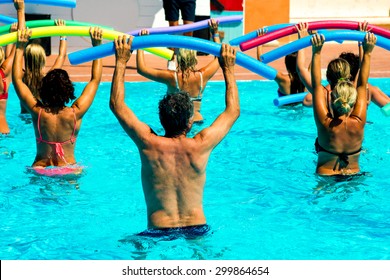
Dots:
(355, 123)
(203, 139)
(158, 145)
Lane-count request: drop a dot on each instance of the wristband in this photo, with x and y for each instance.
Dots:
(63, 38)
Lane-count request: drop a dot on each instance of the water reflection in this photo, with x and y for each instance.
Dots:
(339, 187)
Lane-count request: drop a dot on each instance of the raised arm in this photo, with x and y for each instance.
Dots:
(210, 69)
(363, 27)
(23, 92)
(10, 49)
(211, 136)
(360, 108)
(319, 98)
(259, 49)
(157, 75)
(60, 60)
(19, 6)
(126, 117)
(282, 81)
(303, 71)
(85, 100)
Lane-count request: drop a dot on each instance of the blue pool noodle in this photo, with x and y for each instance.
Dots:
(7, 20)
(59, 3)
(299, 97)
(338, 35)
(324, 31)
(289, 99)
(253, 34)
(386, 110)
(173, 41)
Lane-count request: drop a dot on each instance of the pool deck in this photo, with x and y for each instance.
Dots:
(380, 64)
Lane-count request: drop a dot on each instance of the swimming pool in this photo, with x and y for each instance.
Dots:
(262, 198)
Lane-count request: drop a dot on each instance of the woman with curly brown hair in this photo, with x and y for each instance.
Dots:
(56, 125)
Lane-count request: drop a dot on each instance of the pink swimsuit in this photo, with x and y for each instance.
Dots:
(58, 145)
(3, 95)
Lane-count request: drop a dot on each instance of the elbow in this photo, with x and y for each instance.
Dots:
(308, 100)
(299, 70)
(16, 79)
(96, 77)
(113, 106)
(140, 70)
(238, 112)
(235, 112)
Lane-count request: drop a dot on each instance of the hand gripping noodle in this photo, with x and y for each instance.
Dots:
(315, 25)
(48, 22)
(253, 34)
(175, 42)
(336, 35)
(76, 31)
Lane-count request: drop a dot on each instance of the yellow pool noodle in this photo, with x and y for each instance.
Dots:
(49, 31)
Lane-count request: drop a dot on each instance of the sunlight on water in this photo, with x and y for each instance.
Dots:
(262, 198)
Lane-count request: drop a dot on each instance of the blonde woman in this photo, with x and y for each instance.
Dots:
(338, 69)
(340, 125)
(186, 77)
(6, 60)
(35, 56)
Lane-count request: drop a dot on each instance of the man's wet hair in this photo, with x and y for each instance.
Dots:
(175, 111)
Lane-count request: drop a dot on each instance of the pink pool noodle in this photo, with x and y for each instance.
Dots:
(326, 24)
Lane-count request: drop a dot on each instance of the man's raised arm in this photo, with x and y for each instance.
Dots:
(212, 135)
(136, 129)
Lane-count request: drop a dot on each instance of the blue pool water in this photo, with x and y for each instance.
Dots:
(262, 198)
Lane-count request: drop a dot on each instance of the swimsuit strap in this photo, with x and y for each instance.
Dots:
(4, 80)
(201, 84)
(342, 156)
(280, 93)
(40, 140)
(72, 139)
(327, 98)
(58, 145)
(177, 81)
(199, 97)
(319, 148)
(368, 93)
